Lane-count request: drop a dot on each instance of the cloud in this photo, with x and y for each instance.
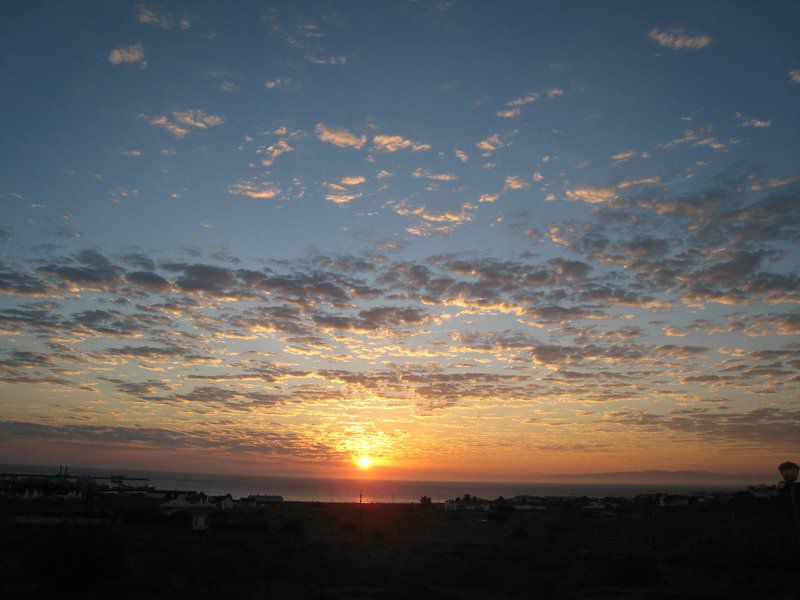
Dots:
(161, 18)
(514, 107)
(353, 180)
(794, 75)
(277, 83)
(182, 122)
(554, 92)
(679, 39)
(621, 157)
(93, 271)
(340, 137)
(523, 100)
(393, 143)
(340, 198)
(198, 119)
(440, 223)
(148, 280)
(428, 174)
(694, 137)
(774, 182)
(592, 195)
(273, 151)
(333, 59)
(637, 182)
(514, 182)
(128, 54)
(490, 144)
(255, 188)
(489, 197)
(745, 121)
(509, 113)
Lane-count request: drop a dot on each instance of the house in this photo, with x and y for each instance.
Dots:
(467, 504)
(188, 501)
(225, 502)
(260, 499)
(195, 506)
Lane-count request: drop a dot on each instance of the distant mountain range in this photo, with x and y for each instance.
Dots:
(665, 477)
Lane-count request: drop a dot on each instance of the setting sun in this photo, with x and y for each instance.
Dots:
(364, 462)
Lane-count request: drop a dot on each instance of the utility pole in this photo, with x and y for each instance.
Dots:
(360, 514)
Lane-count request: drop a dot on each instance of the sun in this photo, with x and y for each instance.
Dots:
(364, 462)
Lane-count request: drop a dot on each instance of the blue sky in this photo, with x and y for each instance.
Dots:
(291, 234)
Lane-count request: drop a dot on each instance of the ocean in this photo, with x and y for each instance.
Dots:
(306, 489)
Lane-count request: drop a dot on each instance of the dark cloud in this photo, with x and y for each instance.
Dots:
(148, 280)
(94, 272)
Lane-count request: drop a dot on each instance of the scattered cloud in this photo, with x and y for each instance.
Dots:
(679, 39)
(340, 137)
(637, 182)
(255, 189)
(745, 121)
(490, 144)
(162, 18)
(278, 83)
(340, 198)
(129, 54)
(514, 182)
(181, 123)
(509, 113)
(592, 195)
(334, 59)
(428, 174)
(393, 143)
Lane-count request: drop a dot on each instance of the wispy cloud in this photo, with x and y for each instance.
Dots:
(637, 182)
(255, 188)
(509, 113)
(341, 198)
(679, 39)
(162, 18)
(621, 157)
(428, 174)
(181, 123)
(745, 121)
(523, 100)
(278, 83)
(333, 59)
(592, 195)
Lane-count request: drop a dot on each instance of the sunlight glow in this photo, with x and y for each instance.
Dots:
(364, 462)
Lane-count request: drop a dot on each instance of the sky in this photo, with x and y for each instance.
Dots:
(486, 240)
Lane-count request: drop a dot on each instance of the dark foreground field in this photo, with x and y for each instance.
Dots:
(330, 551)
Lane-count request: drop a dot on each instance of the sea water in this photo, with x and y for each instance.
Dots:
(307, 489)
